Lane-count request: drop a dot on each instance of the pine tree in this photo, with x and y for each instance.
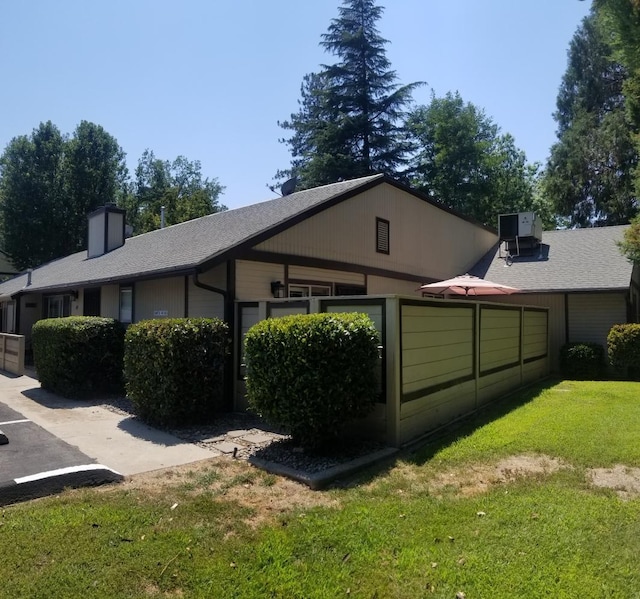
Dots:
(589, 175)
(349, 123)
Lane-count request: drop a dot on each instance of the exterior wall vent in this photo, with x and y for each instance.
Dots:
(520, 233)
(106, 230)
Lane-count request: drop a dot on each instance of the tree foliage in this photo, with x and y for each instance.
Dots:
(95, 175)
(465, 163)
(349, 121)
(620, 19)
(178, 186)
(32, 197)
(589, 175)
(49, 183)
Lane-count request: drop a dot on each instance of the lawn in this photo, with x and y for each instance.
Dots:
(514, 503)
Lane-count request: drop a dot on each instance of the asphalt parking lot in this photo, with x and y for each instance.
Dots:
(35, 462)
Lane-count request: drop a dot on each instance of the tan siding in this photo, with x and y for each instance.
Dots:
(424, 240)
(437, 345)
(159, 295)
(435, 410)
(379, 285)
(110, 301)
(328, 276)
(253, 279)
(557, 324)
(592, 315)
(499, 338)
(204, 303)
(373, 311)
(534, 341)
(494, 385)
(534, 371)
(279, 310)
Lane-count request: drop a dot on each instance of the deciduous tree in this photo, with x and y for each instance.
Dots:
(465, 163)
(177, 186)
(32, 197)
(95, 175)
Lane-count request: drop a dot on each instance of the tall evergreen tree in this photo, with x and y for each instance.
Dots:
(349, 123)
(589, 175)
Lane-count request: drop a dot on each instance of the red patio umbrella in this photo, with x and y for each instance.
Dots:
(468, 285)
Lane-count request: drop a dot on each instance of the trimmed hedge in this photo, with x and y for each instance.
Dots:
(582, 361)
(312, 373)
(79, 356)
(174, 369)
(623, 343)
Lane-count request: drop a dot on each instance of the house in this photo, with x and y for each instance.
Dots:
(365, 236)
(580, 274)
(368, 236)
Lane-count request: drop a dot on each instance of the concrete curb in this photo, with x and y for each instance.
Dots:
(319, 480)
(55, 481)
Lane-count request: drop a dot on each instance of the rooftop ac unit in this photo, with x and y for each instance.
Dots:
(521, 232)
(521, 224)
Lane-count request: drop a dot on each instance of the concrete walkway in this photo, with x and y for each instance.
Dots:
(119, 442)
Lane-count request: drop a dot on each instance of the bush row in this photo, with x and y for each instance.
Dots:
(173, 368)
(589, 360)
(311, 374)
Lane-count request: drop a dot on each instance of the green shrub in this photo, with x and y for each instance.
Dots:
(174, 369)
(582, 361)
(312, 373)
(623, 343)
(79, 356)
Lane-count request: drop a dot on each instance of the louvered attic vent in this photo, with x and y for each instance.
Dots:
(382, 236)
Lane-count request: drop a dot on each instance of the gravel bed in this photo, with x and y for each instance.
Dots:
(285, 453)
(279, 449)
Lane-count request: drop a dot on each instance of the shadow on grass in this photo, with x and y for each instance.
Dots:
(421, 451)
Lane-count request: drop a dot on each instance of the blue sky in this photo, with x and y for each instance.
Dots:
(209, 79)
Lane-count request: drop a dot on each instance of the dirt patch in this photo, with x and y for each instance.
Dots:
(224, 479)
(625, 481)
(477, 479)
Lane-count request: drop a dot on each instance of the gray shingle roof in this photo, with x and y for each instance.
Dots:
(184, 246)
(568, 260)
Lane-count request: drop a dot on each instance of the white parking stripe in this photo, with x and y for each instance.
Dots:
(14, 422)
(59, 471)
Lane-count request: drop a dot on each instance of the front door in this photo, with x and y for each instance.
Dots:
(92, 302)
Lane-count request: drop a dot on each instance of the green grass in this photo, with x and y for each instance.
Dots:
(395, 534)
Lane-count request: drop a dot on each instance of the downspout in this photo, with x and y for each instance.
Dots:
(228, 317)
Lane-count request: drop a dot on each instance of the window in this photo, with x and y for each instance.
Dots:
(126, 304)
(344, 289)
(382, 236)
(298, 290)
(57, 306)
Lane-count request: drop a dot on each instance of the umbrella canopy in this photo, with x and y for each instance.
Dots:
(468, 285)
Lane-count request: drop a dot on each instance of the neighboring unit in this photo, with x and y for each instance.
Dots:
(580, 274)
